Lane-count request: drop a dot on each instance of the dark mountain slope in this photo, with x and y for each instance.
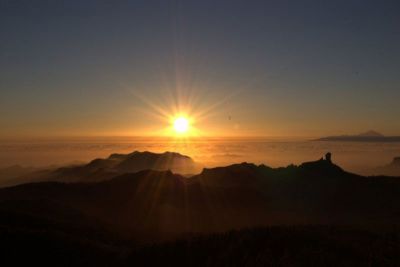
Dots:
(151, 205)
(276, 246)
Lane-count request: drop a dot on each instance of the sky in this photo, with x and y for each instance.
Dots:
(236, 68)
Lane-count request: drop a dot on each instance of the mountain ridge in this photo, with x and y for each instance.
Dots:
(116, 164)
(156, 205)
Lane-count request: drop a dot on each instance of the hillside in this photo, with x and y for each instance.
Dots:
(104, 169)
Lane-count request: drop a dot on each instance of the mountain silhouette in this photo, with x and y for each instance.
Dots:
(393, 168)
(156, 205)
(157, 218)
(369, 136)
(114, 165)
(371, 133)
(9, 174)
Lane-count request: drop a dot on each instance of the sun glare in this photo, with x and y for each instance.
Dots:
(181, 125)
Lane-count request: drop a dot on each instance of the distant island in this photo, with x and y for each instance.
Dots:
(369, 136)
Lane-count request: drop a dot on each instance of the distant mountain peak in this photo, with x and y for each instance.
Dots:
(396, 161)
(371, 133)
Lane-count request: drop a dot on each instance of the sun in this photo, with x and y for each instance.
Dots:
(181, 125)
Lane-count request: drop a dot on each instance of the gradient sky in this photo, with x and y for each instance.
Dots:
(273, 68)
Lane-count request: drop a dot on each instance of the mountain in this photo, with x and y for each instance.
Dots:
(369, 136)
(9, 173)
(392, 168)
(371, 133)
(158, 218)
(158, 205)
(396, 162)
(114, 165)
